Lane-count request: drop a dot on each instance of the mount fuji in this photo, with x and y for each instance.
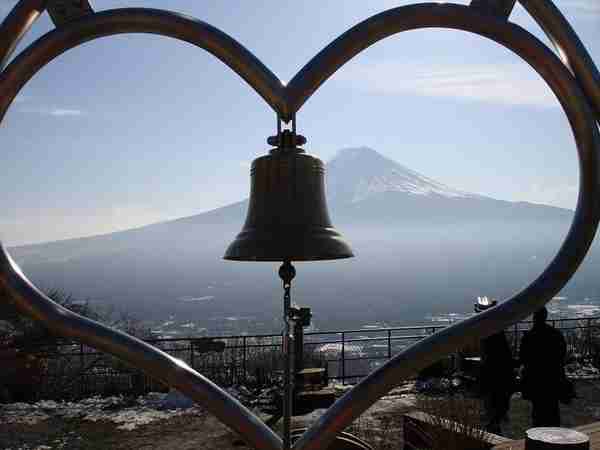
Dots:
(356, 174)
(420, 247)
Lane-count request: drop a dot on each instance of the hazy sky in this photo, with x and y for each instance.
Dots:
(134, 129)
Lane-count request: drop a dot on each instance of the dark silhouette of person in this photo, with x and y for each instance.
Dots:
(497, 379)
(542, 353)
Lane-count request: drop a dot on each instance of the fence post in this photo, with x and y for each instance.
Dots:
(389, 342)
(233, 363)
(298, 347)
(343, 358)
(191, 341)
(244, 360)
(589, 338)
(81, 365)
(515, 338)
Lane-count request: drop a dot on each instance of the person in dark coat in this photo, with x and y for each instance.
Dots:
(542, 353)
(497, 377)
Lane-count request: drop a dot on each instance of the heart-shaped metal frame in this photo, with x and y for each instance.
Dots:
(575, 81)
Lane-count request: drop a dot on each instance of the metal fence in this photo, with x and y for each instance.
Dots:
(352, 354)
(255, 360)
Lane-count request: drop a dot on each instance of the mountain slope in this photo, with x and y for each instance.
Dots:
(419, 245)
(356, 174)
(365, 187)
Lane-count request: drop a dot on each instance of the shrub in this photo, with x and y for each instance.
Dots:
(454, 422)
(39, 364)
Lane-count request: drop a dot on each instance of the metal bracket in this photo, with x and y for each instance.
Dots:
(497, 8)
(64, 11)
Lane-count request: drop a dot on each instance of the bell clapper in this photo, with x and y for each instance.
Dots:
(287, 272)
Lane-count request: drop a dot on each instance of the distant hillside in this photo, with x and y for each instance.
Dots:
(420, 246)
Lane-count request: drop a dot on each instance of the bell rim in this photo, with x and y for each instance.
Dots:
(291, 259)
(325, 244)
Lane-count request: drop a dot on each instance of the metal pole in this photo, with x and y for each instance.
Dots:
(287, 400)
(589, 337)
(81, 368)
(287, 273)
(16, 25)
(343, 358)
(244, 359)
(153, 21)
(515, 338)
(191, 353)
(569, 47)
(298, 347)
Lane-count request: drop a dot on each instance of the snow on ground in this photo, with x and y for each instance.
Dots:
(126, 414)
(129, 414)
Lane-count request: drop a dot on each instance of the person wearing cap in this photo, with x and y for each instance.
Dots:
(497, 379)
(542, 352)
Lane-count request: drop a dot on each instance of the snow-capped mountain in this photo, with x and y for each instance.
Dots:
(355, 174)
(417, 243)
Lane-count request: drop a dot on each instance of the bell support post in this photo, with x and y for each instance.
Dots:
(498, 8)
(287, 272)
(450, 16)
(140, 20)
(569, 47)
(16, 25)
(578, 92)
(64, 11)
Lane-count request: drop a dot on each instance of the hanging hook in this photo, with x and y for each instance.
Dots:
(286, 138)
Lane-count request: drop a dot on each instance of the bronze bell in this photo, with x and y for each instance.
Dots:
(287, 217)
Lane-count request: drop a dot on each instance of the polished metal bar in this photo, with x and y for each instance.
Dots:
(16, 25)
(569, 47)
(498, 8)
(287, 272)
(157, 364)
(432, 15)
(64, 11)
(142, 20)
(573, 249)
(287, 375)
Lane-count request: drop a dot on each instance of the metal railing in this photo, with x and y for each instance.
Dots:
(255, 360)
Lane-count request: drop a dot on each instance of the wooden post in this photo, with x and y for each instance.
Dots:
(550, 438)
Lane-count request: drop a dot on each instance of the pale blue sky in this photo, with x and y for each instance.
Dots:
(134, 129)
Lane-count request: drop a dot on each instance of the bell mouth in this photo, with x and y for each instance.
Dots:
(288, 244)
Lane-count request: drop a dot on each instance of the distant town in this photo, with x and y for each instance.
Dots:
(560, 307)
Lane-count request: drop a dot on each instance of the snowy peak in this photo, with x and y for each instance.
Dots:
(356, 174)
